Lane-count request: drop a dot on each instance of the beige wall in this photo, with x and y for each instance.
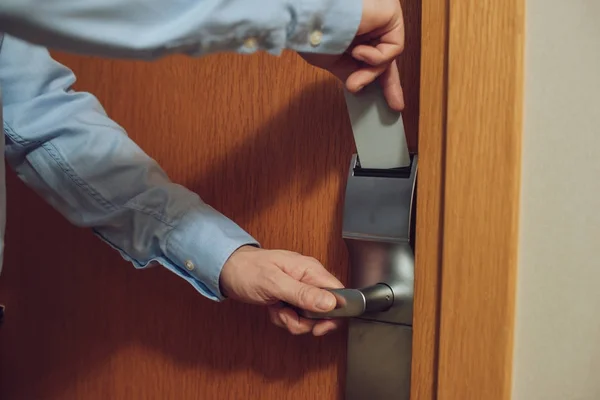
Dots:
(557, 341)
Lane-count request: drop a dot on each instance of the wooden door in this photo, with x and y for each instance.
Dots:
(264, 140)
(468, 199)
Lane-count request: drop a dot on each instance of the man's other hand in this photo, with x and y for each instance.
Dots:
(372, 55)
(269, 277)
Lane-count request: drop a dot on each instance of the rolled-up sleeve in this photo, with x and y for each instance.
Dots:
(148, 29)
(63, 145)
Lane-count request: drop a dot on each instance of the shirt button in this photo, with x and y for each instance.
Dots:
(315, 38)
(250, 43)
(189, 265)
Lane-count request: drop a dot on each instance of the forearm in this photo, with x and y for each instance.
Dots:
(153, 28)
(62, 144)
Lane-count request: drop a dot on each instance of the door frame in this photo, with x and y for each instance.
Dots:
(468, 189)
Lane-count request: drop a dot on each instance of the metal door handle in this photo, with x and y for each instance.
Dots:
(378, 226)
(355, 302)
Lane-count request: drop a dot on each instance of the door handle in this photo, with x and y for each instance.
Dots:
(379, 219)
(351, 303)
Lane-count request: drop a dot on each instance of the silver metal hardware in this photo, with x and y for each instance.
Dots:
(379, 359)
(377, 229)
(356, 302)
(379, 221)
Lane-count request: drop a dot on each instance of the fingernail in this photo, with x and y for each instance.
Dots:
(326, 302)
(324, 331)
(360, 88)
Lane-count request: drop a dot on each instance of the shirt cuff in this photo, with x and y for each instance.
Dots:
(324, 27)
(195, 249)
(305, 26)
(199, 245)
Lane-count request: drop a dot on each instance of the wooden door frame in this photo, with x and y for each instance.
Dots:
(468, 195)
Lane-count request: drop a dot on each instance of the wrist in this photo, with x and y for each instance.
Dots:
(200, 243)
(230, 265)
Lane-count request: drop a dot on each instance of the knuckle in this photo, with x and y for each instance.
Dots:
(274, 317)
(313, 260)
(298, 329)
(401, 47)
(294, 330)
(275, 320)
(286, 253)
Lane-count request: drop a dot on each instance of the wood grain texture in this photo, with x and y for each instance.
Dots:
(485, 74)
(409, 66)
(253, 137)
(430, 191)
(266, 141)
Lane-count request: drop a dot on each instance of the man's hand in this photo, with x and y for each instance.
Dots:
(268, 277)
(372, 54)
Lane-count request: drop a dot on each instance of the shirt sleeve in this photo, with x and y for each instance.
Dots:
(146, 29)
(63, 145)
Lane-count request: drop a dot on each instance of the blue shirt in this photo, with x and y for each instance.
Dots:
(62, 144)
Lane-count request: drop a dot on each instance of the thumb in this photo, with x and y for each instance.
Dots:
(301, 295)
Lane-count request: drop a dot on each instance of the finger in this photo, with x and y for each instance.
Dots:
(294, 323)
(383, 49)
(395, 39)
(299, 294)
(324, 327)
(363, 77)
(392, 88)
(383, 53)
(274, 316)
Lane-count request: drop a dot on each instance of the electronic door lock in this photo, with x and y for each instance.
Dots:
(379, 232)
(378, 228)
(399, 172)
